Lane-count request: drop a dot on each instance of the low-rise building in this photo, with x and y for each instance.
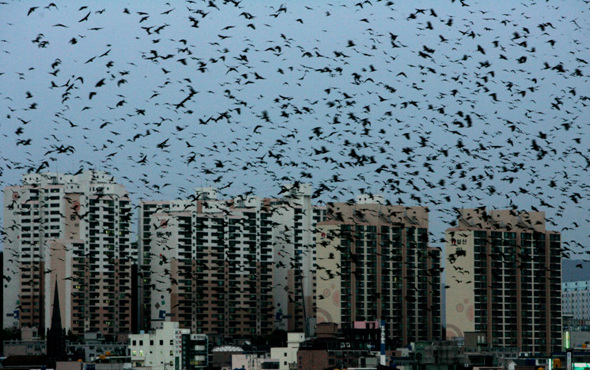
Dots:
(169, 346)
(29, 345)
(253, 361)
(221, 356)
(25, 347)
(94, 346)
(287, 356)
(330, 350)
(195, 351)
(575, 296)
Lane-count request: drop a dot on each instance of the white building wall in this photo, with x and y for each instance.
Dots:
(160, 349)
(287, 356)
(576, 299)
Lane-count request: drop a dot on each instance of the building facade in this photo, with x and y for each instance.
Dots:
(231, 268)
(287, 356)
(575, 297)
(72, 230)
(329, 350)
(374, 263)
(144, 240)
(504, 280)
(253, 361)
(169, 347)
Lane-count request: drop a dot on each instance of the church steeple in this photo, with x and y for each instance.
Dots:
(56, 336)
(56, 314)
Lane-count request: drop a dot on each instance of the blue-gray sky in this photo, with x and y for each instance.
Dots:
(430, 103)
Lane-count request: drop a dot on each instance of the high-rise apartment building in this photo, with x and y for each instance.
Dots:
(294, 219)
(73, 230)
(504, 280)
(237, 267)
(374, 263)
(144, 240)
(575, 297)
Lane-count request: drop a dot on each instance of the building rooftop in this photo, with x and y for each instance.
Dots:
(228, 349)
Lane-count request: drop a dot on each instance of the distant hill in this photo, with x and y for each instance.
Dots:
(574, 270)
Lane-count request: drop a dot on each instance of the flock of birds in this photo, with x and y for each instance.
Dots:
(454, 104)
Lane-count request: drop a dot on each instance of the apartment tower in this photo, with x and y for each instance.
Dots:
(374, 263)
(72, 230)
(575, 296)
(504, 280)
(235, 267)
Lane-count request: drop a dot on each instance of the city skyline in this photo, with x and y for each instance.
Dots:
(66, 203)
(225, 267)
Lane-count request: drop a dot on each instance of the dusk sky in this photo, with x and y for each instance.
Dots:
(444, 104)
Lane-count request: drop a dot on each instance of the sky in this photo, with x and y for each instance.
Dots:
(444, 104)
